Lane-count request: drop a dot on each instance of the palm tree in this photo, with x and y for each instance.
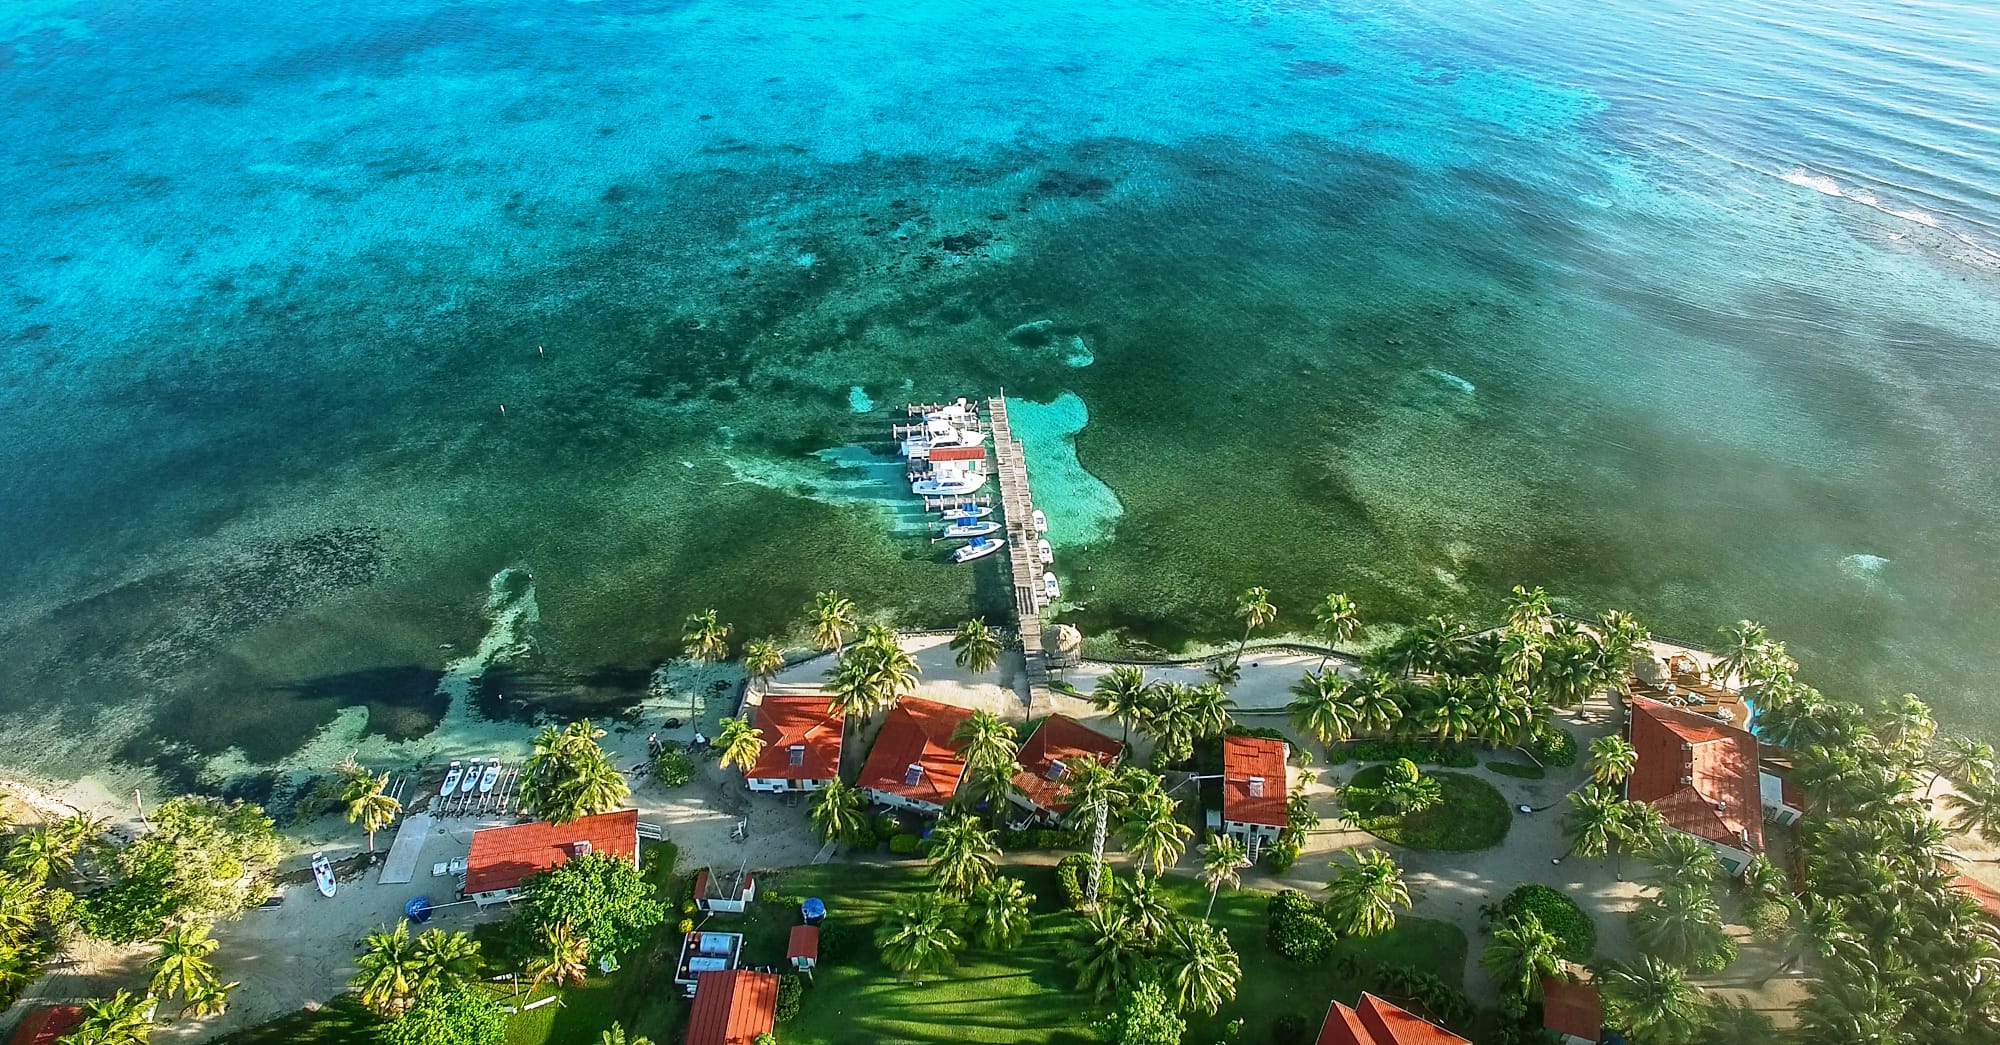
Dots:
(832, 617)
(369, 803)
(560, 957)
(705, 637)
(1406, 790)
(122, 1019)
(1905, 724)
(1124, 694)
(182, 966)
(1450, 719)
(1761, 880)
(1198, 967)
(917, 940)
(992, 785)
(1376, 709)
(1171, 723)
(1966, 761)
(1745, 644)
(1336, 620)
(999, 914)
(1254, 609)
(40, 855)
(961, 856)
(985, 740)
(741, 743)
(1528, 610)
(1683, 924)
(978, 648)
(1091, 790)
(390, 972)
(1223, 861)
(1105, 955)
(616, 1036)
(1819, 930)
(1862, 1008)
(1211, 709)
(1522, 952)
(1154, 835)
(1521, 655)
(1684, 859)
(1362, 897)
(1322, 710)
(839, 812)
(20, 906)
(1611, 759)
(445, 960)
(1653, 1000)
(762, 660)
(568, 776)
(1145, 911)
(1224, 674)
(872, 675)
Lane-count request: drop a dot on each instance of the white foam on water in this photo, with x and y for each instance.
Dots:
(1451, 379)
(1825, 185)
(1864, 564)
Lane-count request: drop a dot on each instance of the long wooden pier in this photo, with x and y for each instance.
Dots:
(1017, 504)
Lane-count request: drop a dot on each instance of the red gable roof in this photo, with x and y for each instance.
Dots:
(502, 857)
(1572, 1008)
(1700, 773)
(1989, 900)
(731, 1008)
(917, 732)
(804, 943)
(1059, 739)
(1245, 758)
(43, 1026)
(1376, 1022)
(803, 721)
(957, 453)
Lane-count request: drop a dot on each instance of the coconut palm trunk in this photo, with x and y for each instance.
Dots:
(1097, 848)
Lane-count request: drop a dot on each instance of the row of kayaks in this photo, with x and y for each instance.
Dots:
(462, 780)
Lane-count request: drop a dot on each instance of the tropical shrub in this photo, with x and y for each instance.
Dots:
(1424, 993)
(1289, 1029)
(686, 926)
(466, 1016)
(1298, 929)
(1073, 878)
(603, 898)
(791, 994)
(1552, 745)
(1280, 857)
(1422, 752)
(903, 844)
(836, 940)
(1769, 919)
(1040, 838)
(887, 828)
(1558, 914)
(673, 768)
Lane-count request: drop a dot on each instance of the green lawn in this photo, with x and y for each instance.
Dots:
(1473, 815)
(340, 1022)
(1026, 995)
(1520, 770)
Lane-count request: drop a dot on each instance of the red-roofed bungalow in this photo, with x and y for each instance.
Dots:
(1572, 1011)
(44, 1025)
(1059, 741)
(1253, 787)
(801, 743)
(503, 857)
(802, 950)
(1373, 1021)
(733, 1007)
(1701, 774)
(915, 764)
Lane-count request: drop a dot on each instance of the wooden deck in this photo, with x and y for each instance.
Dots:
(1017, 508)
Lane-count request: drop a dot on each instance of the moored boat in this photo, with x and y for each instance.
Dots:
(451, 778)
(323, 874)
(1045, 551)
(471, 781)
(1041, 521)
(1050, 587)
(974, 528)
(978, 549)
(956, 484)
(490, 777)
(967, 511)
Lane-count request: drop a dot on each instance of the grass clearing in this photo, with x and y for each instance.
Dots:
(1473, 815)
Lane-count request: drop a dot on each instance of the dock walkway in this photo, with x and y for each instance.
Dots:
(1017, 504)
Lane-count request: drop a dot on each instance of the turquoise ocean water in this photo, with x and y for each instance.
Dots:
(1687, 307)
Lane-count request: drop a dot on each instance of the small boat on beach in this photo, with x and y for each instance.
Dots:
(471, 781)
(967, 511)
(1050, 587)
(490, 777)
(1041, 521)
(978, 549)
(323, 874)
(1046, 552)
(974, 528)
(452, 776)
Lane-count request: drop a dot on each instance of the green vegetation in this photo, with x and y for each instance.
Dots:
(456, 1016)
(1557, 913)
(1469, 813)
(978, 648)
(568, 776)
(203, 858)
(673, 768)
(603, 898)
(1517, 770)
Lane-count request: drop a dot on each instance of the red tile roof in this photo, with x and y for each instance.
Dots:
(1700, 773)
(804, 721)
(731, 1008)
(1373, 1021)
(917, 732)
(1242, 759)
(1572, 1008)
(1989, 899)
(1059, 739)
(957, 453)
(804, 943)
(502, 857)
(43, 1026)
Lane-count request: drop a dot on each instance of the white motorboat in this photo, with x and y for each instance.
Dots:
(1050, 587)
(1045, 551)
(451, 778)
(978, 549)
(919, 447)
(490, 777)
(1041, 521)
(323, 874)
(955, 485)
(966, 512)
(471, 781)
(970, 529)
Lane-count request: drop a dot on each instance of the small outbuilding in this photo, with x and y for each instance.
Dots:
(728, 893)
(1572, 1011)
(803, 948)
(733, 1007)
